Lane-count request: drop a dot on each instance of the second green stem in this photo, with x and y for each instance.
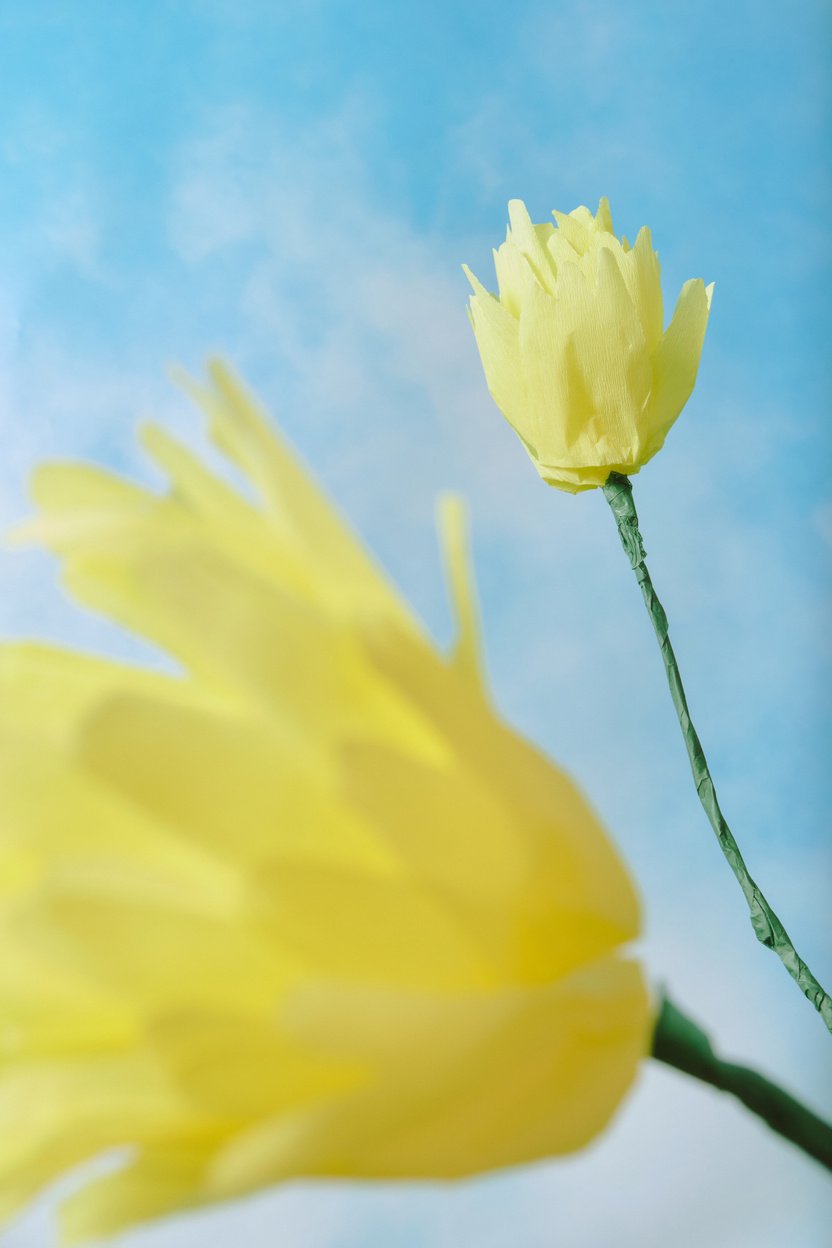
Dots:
(618, 492)
(680, 1042)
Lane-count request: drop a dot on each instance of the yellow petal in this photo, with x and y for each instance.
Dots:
(556, 1062)
(496, 332)
(514, 276)
(676, 360)
(289, 494)
(47, 692)
(587, 374)
(603, 217)
(525, 822)
(64, 1112)
(234, 787)
(531, 240)
(543, 346)
(76, 502)
(643, 277)
(161, 1179)
(576, 228)
(307, 908)
(238, 1066)
(453, 529)
(346, 925)
(132, 934)
(218, 513)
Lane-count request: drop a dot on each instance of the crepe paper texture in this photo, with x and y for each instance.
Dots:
(574, 347)
(307, 908)
(769, 930)
(681, 1043)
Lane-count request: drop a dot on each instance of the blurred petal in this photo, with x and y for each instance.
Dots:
(453, 529)
(556, 1062)
(307, 908)
(162, 1179)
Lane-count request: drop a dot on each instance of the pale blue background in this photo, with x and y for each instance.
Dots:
(295, 185)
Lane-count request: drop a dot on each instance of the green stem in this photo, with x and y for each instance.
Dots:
(681, 1043)
(769, 930)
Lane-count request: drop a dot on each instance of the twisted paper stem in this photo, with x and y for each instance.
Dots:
(618, 492)
(681, 1043)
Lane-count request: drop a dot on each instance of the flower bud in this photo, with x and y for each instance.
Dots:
(574, 349)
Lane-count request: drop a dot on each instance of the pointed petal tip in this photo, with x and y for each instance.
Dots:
(454, 536)
(603, 217)
(451, 510)
(476, 285)
(698, 284)
(148, 434)
(220, 366)
(192, 387)
(221, 373)
(518, 216)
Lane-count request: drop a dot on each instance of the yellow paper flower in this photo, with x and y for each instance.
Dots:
(574, 348)
(305, 908)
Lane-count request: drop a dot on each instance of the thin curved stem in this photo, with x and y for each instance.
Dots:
(681, 1043)
(618, 492)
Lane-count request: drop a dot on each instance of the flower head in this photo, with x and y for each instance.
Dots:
(574, 347)
(306, 907)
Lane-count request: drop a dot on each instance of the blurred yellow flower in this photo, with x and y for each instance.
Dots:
(574, 349)
(305, 908)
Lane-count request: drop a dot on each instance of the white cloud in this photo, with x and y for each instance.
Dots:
(60, 226)
(70, 228)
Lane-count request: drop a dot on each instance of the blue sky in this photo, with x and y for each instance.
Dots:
(295, 185)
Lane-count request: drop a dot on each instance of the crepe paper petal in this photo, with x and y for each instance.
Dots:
(306, 907)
